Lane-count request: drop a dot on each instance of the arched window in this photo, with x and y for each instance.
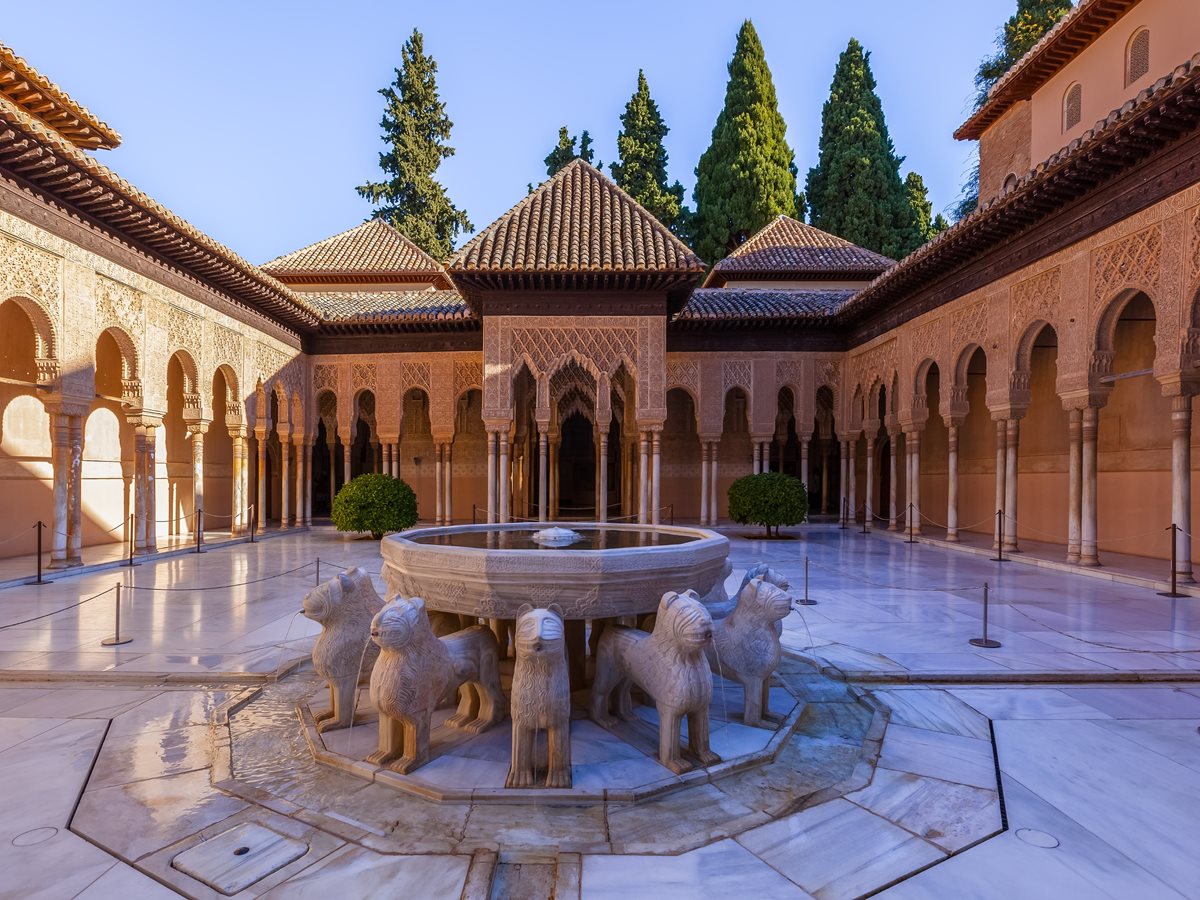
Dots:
(1009, 183)
(1137, 56)
(1072, 103)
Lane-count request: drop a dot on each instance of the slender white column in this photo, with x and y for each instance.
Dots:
(656, 476)
(75, 494)
(1001, 467)
(492, 505)
(308, 481)
(239, 522)
(60, 438)
(852, 487)
(824, 446)
(643, 477)
(602, 506)
(714, 497)
(346, 469)
(448, 485)
(804, 439)
(504, 476)
(260, 502)
(151, 487)
(437, 483)
(387, 458)
(914, 446)
(543, 475)
(893, 477)
(869, 499)
(952, 483)
(285, 481)
(1012, 440)
(197, 473)
(844, 483)
(139, 487)
(757, 457)
(1181, 483)
(1074, 485)
(705, 486)
(332, 471)
(1088, 555)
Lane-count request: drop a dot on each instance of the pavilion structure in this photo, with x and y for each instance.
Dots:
(1029, 374)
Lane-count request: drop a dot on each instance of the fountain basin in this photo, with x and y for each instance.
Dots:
(491, 571)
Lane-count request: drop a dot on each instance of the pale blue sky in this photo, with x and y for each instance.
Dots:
(255, 120)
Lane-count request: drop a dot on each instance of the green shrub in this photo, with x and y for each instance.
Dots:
(374, 503)
(770, 499)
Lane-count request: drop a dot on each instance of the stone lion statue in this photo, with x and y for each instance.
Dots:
(669, 665)
(540, 699)
(417, 670)
(343, 652)
(720, 606)
(746, 647)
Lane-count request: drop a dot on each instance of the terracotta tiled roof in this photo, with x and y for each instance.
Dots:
(1143, 125)
(578, 221)
(378, 306)
(49, 164)
(760, 305)
(787, 248)
(37, 95)
(373, 248)
(1072, 34)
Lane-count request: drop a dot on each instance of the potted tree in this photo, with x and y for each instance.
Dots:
(770, 499)
(374, 503)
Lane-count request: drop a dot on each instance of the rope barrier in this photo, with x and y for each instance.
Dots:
(57, 611)
(218, 587)
(898, 587)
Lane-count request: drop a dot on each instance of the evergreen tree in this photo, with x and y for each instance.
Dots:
(641, 169)
(939, 225)
(415, 129)
(564, 150)
(855, 189)
(922, 209)
(1023, 29)
(747, 176)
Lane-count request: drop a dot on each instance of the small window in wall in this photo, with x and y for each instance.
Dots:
(1072, 103)
(1137, 56)
(1009, 183)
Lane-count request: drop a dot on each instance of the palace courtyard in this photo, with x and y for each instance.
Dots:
(1062, 763)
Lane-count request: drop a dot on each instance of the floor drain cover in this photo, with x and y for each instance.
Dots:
(237, 858)
(1037, 838)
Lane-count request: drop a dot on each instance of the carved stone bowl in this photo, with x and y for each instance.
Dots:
(492, 570)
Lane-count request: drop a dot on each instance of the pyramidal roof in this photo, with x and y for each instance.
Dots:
(788, 249)
(578, 221)
(372, 251)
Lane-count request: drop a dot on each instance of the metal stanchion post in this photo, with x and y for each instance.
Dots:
(999, 557)
(318, 581)
(985, 641)
(132, 538)
(910, 525)
(40, 526)
(199, 530)
(116, 638)
(253, 522)
(1174, 591)
(843, 514)
(807, 601)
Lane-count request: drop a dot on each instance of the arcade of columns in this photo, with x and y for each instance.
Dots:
(1089, 327)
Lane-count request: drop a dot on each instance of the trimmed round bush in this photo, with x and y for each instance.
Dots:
(375, 503)
(770, 499)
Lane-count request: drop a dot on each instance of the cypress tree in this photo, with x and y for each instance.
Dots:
(641, 167)
(855, 189)
(747, 176)
(564, 150)
(415, 130)
(1023, 29)
(922, 209)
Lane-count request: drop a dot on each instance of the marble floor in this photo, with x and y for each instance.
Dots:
(111, 759)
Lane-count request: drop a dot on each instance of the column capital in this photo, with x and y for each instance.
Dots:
(197, 428)
(64, 405)
(1090, 398)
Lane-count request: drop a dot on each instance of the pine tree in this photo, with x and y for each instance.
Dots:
(586, 153)
(855, 189)
(747, 176)
(1023, 29)
(641, 169)
(563, 152)
(415, 129)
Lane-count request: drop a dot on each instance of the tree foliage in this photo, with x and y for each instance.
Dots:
(855, 190)
(1023, 29)
(770, 499)
(374, 503)
(564, 151)
(415, 130)
(926, 224)
(641, 166)
(747, 176)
